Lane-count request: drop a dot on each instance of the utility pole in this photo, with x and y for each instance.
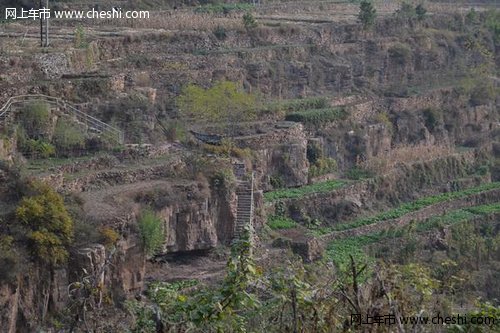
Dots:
(47, 27)
(41, 24)
(44, 17)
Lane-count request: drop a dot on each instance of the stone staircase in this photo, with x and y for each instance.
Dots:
(245, 206)
(92, 124)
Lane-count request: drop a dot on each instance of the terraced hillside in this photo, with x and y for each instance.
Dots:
(251, 167)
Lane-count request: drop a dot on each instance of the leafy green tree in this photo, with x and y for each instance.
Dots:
(367, 14)
(50, 227)
(224, 102)
(151, 231)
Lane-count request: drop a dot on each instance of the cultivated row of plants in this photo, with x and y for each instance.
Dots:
(340, 251)
(298, 192)
(409, 207)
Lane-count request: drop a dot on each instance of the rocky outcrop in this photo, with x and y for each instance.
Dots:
(281, 154)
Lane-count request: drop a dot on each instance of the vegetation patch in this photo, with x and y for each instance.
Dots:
(151, 232)
(299, 192)
(279, 222)
(317, 116)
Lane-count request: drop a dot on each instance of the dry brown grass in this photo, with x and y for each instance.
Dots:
(182, 20)
(383, 163)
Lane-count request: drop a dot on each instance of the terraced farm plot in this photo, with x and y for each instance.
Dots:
(339, 251)
(407, 208)
(299, 192)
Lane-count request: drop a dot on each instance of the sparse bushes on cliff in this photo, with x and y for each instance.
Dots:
(151, 232)
(49, 225)
(9, 261)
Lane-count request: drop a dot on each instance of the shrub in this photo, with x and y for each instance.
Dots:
(109, 236)
(317, 116)
(223, 179)
(493, 23)
(249, 21)
(420, 11)
(323, 166)
(383, 118)
(432, 118)
(49, 224)
(406, 11)
(358, 173)
(400, 53)
(367, 14)
(35, 120)
(94, 144)
(471, 17)
(482, 93)
(151, 232)
(220, 32)
(276, 181)
(314, 152)
(8, 259)
(37, 148)
(80, 40)
(68, 137)
(227, 148)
